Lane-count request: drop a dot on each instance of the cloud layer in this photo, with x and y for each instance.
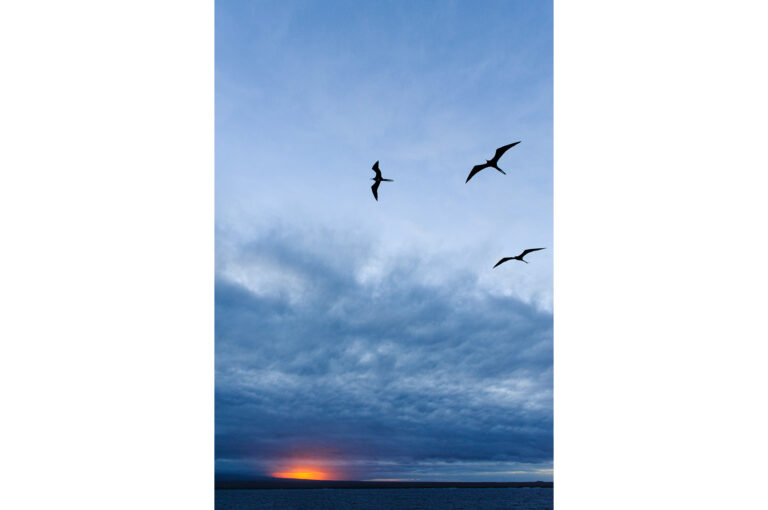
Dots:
(375, 368)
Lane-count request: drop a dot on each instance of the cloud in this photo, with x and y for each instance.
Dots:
(375, 367)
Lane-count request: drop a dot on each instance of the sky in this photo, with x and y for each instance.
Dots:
(368, 340)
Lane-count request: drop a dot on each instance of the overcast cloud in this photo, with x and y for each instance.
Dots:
(313, 356)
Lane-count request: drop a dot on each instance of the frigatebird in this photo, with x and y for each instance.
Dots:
(519, 257)
(378, 179)
(491, 163)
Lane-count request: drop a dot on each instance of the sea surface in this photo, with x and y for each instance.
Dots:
(385, 499)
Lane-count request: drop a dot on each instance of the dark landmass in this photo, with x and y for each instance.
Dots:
(285, 483)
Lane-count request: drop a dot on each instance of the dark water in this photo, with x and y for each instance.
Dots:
(385, 499)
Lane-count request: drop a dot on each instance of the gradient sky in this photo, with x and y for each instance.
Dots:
(372, 340)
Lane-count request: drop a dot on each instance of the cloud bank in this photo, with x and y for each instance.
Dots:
(375, 367)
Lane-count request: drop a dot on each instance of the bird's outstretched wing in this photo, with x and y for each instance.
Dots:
(375, 168)
(500, 152)
(476, 169)
(375, 189)
(503, 260)
(529, 250)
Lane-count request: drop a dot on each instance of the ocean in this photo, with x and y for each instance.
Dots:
(385, 499)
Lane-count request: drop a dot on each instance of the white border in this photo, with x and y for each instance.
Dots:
(660, 184)
(106, 202)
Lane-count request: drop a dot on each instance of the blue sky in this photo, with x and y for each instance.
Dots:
(371, 338)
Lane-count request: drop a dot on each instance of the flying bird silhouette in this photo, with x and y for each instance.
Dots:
(491, 163)
(378, 180)
(519, 257)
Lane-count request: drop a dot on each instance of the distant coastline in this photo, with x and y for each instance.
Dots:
(335, 484)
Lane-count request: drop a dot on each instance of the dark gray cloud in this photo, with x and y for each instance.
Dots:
(391, 376)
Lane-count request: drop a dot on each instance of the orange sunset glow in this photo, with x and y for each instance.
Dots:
(306, 469)
(303, 474)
